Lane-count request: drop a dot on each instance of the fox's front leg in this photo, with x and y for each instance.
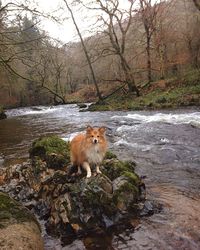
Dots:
(86, 166)
(98, 170)
(79, 172)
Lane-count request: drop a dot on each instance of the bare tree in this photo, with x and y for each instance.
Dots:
(116, 24)
(84, 49)
(148, 14)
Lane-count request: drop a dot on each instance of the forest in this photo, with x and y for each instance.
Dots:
(126, 176)
(130, 50)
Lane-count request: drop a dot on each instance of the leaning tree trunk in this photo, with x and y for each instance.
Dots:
(85, 51)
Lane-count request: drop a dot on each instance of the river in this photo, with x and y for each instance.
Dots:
(166, 147)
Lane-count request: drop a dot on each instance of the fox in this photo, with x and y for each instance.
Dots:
(89, 149)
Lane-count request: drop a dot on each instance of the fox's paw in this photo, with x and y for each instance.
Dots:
(79, 172)
(88, 175)
(99, 171)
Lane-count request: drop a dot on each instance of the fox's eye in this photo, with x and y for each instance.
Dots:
(98, 136)
(92, 135)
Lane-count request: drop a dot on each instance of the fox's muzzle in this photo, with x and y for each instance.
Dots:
(95, 141)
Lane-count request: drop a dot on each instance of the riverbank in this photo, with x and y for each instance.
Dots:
(164, 94)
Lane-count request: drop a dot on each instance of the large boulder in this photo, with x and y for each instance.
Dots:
(69, 203)
(19, 228)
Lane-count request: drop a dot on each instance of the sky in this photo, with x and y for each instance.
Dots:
(65, 31)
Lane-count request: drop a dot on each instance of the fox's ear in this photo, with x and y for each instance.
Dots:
(102, 130)
(88, 129)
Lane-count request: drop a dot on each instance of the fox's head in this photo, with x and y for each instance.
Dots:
(95, 135)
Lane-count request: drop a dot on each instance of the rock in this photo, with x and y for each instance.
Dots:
(2, 113)
(150, 207)
(53, 150)
(126, 192)
(82, 105)
(19, 228)
(45, 183)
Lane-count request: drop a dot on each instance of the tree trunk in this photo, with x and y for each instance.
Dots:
(85, 51)
(197, 4)
(148, 59)
(129, 78)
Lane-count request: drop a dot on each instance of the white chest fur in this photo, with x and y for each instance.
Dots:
(95, 155)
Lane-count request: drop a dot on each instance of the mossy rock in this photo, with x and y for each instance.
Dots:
(126, 192)
(53, 150)
(110, 155)
(19, 228)
(113, 168)
(12, 211)
(63, 198)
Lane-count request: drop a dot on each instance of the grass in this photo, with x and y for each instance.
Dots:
(177, 92)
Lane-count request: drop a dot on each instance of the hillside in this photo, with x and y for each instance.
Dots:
(169, 93)
(156, 46)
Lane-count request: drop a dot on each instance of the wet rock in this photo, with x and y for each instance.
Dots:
(69, 203)
(19, 228)
(82, 105)
(126, 193)
(3, 116)
(2, 113)
(149, 207)
(53, 150)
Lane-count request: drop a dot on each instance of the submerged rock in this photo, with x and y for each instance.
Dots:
(19, 228)
(68, 203)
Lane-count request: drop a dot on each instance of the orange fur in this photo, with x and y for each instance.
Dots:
(89, 149)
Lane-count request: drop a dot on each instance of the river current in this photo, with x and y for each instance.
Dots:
(166, 147)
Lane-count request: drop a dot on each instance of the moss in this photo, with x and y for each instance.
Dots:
(52, 149)
(110, 155)
(12, 211)
(49, 145)
(126, 196)
(114, 168)
(133, 177)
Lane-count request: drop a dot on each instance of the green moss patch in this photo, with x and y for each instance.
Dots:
(114, 168)
(12, 211)
(52, 149)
